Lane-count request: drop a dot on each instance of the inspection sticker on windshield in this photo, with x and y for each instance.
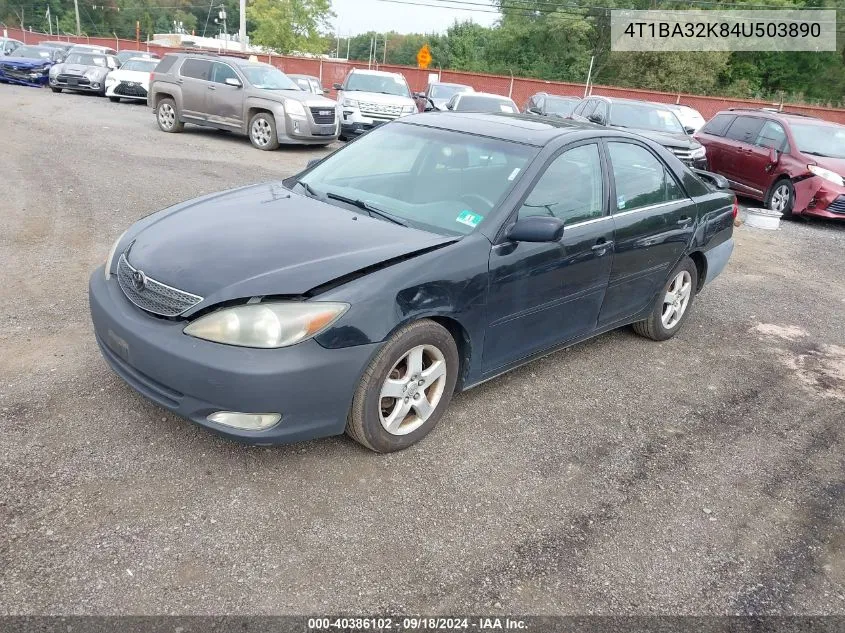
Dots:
(469, 218)
(620, 202)
(513, 174)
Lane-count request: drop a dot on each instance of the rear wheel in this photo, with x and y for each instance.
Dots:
(781, 197)
(406, 388)
(262, 132)
(673, 304)
(168, 117)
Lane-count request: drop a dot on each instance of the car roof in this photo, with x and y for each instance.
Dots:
(518, 128)
(488, 95)
(784, 117)
(663, 106)
(448, 83)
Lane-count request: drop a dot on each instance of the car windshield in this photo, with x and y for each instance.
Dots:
(386, 84)
(86, 60)
(819, 140)
(141, 65)
(445, 91)
(477, 103)
(441, 181)
(31, 52)
(645, 117)
(563, 107)
(267, 77)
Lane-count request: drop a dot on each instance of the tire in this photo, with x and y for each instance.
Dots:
(114, 99)
(781, 197)
(371, 415)
(167, 116)
(262, 132)
(662, 323)
(57, 90)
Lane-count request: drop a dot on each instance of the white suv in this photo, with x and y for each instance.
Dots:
(369, 98)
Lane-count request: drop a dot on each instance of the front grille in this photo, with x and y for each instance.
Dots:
(323, 116)
(380, 110)
(153, 296)
(838, 205)
(130, 89)
(682, 153)
(73, 80)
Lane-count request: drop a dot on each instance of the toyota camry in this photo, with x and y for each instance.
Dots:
(428, 256)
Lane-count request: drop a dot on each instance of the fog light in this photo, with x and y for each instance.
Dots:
(247, 421)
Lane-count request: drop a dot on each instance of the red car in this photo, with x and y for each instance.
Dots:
(793, 163)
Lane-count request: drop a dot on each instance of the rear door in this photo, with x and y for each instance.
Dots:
(544, 294)
(740, 138)
(653, 221)
(225, 104)
(195, 78)
(712, 137)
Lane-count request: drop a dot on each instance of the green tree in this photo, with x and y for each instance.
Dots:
(290, 25)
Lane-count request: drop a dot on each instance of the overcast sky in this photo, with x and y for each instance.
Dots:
(360, 16)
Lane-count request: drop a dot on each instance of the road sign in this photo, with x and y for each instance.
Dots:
(423, 57)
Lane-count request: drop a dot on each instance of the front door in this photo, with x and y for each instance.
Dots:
(195, 78)
(544, 294)
(225, 104)
(759, 166)
(653, 221)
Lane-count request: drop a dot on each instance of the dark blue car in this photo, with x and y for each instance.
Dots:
(426, 257)
(28, 65)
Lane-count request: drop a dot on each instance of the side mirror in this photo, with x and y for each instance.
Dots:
(313, 162)
(774, 156)
(337, 86)
(326, 91)
(536, 228)
(596, 118)
(449, 106)
(231, 81)
(689, 130)
(419, 95)
(535, 110)
(720, 182)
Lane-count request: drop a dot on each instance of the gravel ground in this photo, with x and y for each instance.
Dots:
(703, 475)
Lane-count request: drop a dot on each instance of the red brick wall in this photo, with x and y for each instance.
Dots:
(520, 88)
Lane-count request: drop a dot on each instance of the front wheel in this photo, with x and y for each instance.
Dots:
(55, 89)
(114, 99)
(673, 304)
(262, 131)
(405, 389)
(781, 197)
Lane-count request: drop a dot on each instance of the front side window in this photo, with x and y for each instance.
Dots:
(196, 69)
(771, 135)
(641, 178)
(442, 181)
(571, 188)
(221, 72)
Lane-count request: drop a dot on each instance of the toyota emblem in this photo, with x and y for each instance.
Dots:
(139, 280)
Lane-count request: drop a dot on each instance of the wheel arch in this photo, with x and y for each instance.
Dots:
(700, 262)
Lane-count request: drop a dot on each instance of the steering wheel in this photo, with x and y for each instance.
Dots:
(470, 197)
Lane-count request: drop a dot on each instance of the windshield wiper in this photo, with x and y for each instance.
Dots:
(369, 208)
(308, 189)
(815, 153)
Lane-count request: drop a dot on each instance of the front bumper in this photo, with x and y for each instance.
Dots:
(309, 385)
(354, 123)
(22, 78)
(820, 198)
(80, 84)
(304, 131)
(128, 90)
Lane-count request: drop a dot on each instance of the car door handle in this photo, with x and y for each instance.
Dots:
(685, 220)
(212, 87)
(601, 247)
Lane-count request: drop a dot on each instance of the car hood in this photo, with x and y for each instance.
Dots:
(307, 98)
(264, 240)
(25, 62)
(836, 165)
(666, 139)
(378, 98)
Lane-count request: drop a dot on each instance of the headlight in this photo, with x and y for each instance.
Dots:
(91, 75)
(350, 103)
(698, 152)
(110, 81)
(267, 325)
(821, 172)
(110, 258)
(409, 109)
(294, 107)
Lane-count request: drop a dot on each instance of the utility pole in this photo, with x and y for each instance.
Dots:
(384, 61)
(76, 8)
(242, 26)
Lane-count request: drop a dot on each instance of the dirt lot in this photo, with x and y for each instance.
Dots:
(701, 475)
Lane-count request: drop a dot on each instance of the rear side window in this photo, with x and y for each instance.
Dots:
(718, 125)
(196, 69)
(745, 129)
(166, 64)
(641, 178)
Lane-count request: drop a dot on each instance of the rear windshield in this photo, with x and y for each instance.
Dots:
(444, 91)
(563, 107)
(473, 103)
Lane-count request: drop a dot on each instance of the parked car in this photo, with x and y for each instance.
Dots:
(432, 254)
(308, 83)
(82, 72)
(481, 102)
(28, 65)
(125, 55)
(92, 48)
(8, 45)
(437, 95)
(689, 117)
(652, 120)
(795, 164)
(544, 104)
(131, 80)
(235, 94)
(369, 98)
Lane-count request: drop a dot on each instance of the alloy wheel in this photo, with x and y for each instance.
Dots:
(261, 132)
(412, 390)
(780, 198)
(166, 116)
(676, 300)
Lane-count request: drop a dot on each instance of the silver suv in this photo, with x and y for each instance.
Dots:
(236, 94)
(370, 98)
